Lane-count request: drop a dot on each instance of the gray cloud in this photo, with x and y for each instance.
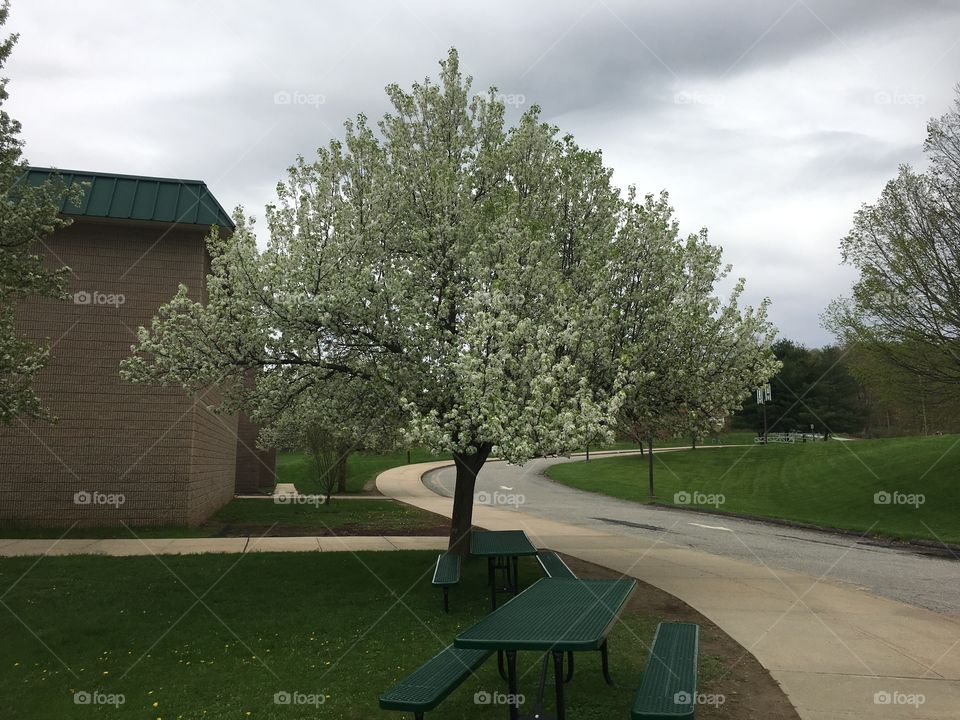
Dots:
(769, 122)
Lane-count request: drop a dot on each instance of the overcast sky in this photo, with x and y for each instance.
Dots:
(768, 121)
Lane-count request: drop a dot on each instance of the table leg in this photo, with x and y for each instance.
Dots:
(541, 686)
(500, 667)
(492, 579)
(516, 575)
(569, 669)
(512, 684)
(558, 682)
(605, 664)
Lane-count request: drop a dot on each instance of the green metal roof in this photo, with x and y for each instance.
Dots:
(134, 197)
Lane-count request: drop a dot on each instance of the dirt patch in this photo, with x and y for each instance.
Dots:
(439, 530)
(750, 692)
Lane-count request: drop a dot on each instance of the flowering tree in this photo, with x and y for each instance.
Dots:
(27, 216)
(443, 270)
(446, 280)
(693, 358)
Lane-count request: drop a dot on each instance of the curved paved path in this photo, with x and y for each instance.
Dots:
(838, 651)
(930, 580)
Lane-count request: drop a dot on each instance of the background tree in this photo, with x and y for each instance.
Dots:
(899, 402)
(28, 215)
(329, 419)
(813, 387)
(905, 306)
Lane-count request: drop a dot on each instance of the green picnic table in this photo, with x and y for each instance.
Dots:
(553, 616)
(502, 548)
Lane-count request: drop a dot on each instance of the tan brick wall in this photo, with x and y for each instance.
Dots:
(256, 468)
(268, 468)
(156, 446)
(214, 458)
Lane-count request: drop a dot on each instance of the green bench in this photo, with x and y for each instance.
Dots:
(668, 689)
(553, 565)
(426, 687)
(446, 575)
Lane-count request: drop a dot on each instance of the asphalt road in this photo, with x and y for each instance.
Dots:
(910, 576)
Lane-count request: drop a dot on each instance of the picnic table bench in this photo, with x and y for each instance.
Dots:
(668, 688)
(426, 687)
(553, 616)
(446, 575)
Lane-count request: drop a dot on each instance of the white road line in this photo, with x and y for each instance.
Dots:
(711, 527)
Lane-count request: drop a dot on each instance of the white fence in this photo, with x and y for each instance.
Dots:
(791, 437)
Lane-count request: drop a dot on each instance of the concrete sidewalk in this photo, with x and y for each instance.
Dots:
(192, 546)
(838, 653)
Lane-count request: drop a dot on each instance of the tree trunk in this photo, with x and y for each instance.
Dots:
(341, 470)
(468, 467)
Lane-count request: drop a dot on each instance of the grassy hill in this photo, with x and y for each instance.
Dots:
(903, 487)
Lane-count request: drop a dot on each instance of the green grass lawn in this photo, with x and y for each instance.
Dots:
(255, 517)
(363, 467)
(731, 438)
(828, 484)
(297, 468)
(341, 625)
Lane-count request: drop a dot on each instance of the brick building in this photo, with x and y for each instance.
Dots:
(122, 452)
